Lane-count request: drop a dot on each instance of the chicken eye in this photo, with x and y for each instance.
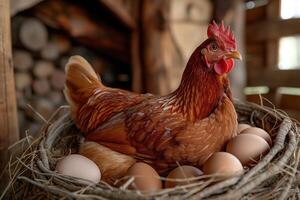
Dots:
(214, 47)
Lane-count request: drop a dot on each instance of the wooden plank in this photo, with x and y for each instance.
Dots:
(274, 78)
(294, 114)
(255, 14)
(272, 29)
(21, 5)
(77, 22)
(291, 102)
(273, 13)
(256, 98)
(119, 12)
(9, 132)
(238, 75)
(136, 85)
(161, 61)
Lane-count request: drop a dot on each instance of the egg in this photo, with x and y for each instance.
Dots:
(247, 148)
(183, 172)
(79, 166)
(223, 163)
(146, 178)
(259, 132)
(242, 127)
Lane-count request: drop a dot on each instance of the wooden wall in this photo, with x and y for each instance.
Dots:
(264, 28)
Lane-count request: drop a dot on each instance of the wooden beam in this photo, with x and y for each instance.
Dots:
(119, 12)
(137, 84)
(17, 6)
(161, 61)
(272, 29)
(274, 78)
(153, 26)
(9, 132)
(272, 45)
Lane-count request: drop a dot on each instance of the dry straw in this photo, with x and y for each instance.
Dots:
(276, 176)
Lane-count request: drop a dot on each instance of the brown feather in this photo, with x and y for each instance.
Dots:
(113, 165)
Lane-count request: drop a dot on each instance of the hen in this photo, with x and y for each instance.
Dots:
(186, 126)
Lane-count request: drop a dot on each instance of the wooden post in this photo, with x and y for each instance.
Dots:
(9, 132)
(233, 13)
(162, 63)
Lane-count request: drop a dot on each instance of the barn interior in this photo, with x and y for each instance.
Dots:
(143, 46)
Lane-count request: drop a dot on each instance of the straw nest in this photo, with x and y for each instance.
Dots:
(276, 176)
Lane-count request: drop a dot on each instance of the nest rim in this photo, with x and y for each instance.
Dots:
(283, 158)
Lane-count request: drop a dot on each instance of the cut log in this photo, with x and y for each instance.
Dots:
(56, 97)
(33, 128)
(58, 79)
(22, 121)
(23, 80)
(22, 60)
(33, 34)
(21, 99)
(44, 107)
(41, 87)
(63, 61)
(50, 51)
(43, 69)
(62, 42)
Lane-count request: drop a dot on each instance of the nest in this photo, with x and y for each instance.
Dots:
(32, 174)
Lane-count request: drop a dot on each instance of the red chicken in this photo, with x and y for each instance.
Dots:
(186, 126)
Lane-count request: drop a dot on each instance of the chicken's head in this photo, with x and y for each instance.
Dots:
(219, 50)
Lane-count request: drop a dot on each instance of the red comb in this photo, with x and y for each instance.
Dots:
(225, 36)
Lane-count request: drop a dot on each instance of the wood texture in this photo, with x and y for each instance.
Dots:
(162, 63)
(136, 50)
(274, 78)
(9, 132)
(272, 29)
(119, 12)
(153, 26)
(33, 34)
(20, 5)
(22, 59)
(273, 12)
(23, 80)
(101, 35)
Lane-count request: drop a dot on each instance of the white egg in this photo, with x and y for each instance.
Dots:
(79, 166)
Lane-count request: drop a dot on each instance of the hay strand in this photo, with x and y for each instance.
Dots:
(276, 176)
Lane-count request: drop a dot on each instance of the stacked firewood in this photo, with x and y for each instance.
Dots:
(38, 59)
(40, 52)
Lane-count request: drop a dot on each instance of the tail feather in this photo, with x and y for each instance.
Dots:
(81, 80)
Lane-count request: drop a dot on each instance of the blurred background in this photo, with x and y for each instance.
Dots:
(143, 46)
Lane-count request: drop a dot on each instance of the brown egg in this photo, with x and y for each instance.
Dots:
(146, 178)
(242, 127)
(247, 148)
(182, 173)
(259, 132)
(222, 163)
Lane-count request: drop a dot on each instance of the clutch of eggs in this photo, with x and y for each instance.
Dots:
(244, 149)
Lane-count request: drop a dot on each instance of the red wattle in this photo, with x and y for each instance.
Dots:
(224, 66)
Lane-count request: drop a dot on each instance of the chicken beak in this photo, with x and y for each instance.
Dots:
(234, 54)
